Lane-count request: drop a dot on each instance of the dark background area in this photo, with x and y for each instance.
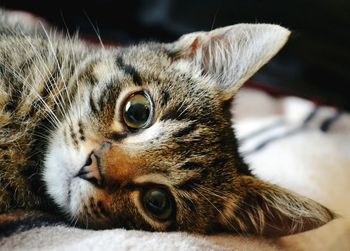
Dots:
(315, 64)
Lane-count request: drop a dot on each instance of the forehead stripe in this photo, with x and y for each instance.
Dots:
(130, 70)
(188, 185)
(185, 131)
(105, 96)
(165, 97)
(191, 165)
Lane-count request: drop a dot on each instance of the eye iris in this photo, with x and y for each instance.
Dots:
(158, 203)
(137, 111)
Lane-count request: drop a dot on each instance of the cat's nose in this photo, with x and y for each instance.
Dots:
(91, 170)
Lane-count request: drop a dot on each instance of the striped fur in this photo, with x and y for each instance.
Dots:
(61, 99)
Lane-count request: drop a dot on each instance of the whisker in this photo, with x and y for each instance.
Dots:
(59, 68)
(53, 118)
(60, 102)
(75, 75)
(95, 30)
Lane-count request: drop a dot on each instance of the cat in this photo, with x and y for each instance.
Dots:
(138, 137)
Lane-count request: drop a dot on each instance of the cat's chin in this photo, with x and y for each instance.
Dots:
(78, 193)
(68, 191)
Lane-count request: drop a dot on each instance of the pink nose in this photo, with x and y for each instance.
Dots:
(91, 170)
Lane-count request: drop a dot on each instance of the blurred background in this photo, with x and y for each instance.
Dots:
(315, 64)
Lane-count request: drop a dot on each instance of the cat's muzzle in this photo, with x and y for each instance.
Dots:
(91, 171)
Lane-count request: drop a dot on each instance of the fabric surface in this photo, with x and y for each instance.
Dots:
(287, 141)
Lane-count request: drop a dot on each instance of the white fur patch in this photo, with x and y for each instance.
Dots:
(160, 131)
(145, 135)
(62, 164)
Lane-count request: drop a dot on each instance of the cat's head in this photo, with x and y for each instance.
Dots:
(147, 140)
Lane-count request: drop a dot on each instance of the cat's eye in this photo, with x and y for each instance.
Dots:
(138, 110)
(158, 203)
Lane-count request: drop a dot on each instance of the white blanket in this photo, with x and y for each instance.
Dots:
(287, 141)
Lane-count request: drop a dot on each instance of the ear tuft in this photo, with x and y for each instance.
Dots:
(232, 54)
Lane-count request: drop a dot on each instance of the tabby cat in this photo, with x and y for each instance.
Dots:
(138, 137)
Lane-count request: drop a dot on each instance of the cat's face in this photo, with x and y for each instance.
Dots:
(148, 142)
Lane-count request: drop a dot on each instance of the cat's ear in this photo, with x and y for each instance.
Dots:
(232, 54)
(269, 210)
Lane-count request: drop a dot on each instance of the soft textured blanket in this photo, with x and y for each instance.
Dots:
(287, 141)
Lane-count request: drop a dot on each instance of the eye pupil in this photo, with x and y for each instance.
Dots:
(158, 203)
(137, 111)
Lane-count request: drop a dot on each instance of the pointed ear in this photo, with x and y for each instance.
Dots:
(269, 210)
(232, 54)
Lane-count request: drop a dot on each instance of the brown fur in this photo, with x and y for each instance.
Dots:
(58, 93)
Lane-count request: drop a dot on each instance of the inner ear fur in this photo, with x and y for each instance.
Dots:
(268, 210)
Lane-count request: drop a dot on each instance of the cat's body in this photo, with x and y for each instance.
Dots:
(68, 142)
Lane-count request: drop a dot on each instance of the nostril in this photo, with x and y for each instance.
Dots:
(91, 171)
(88, 161)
